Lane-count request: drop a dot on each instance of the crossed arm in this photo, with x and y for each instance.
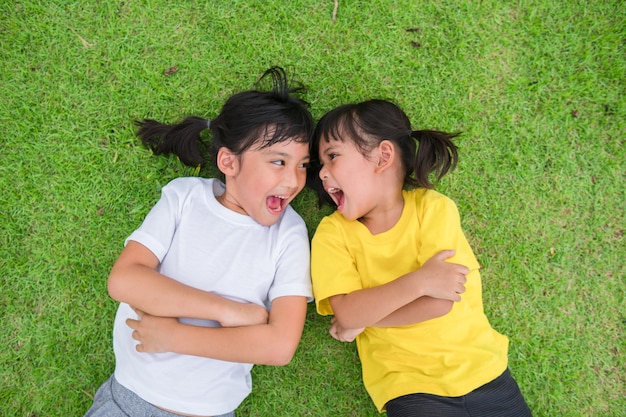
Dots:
(249, 334)
(420, 295)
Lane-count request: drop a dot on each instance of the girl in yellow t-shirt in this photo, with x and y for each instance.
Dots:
(394, 268)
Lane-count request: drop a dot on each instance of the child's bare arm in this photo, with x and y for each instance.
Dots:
(423, 309)
(366, 307)
(342, 334)
(417, 311)
(135, 281)
(273, 343)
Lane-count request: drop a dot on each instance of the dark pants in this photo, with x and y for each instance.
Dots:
(498, 398)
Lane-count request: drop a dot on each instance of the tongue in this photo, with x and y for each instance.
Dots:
(273, 203)
(340, 201)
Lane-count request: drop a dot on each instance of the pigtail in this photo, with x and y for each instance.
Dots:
(260, 117)
(436, 154)
(181, 139)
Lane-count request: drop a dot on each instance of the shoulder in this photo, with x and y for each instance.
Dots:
(188, 189)
(426, 196)
(188, 183)
(291, 227)
(333, 221)
(291, 219)
(426, 200)
(331, 228)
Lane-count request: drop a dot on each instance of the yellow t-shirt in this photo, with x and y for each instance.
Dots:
(447, 356)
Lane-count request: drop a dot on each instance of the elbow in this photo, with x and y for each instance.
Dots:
(281, 356)
(281, 353)
(280, 361)
(115, 286)
(442, 308)
(349, 323)
(345, 317)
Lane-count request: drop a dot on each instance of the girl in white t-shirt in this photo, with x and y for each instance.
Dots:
(217, 276)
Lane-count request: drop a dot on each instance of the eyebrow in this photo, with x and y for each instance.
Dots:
(285, 155)
(330, 148)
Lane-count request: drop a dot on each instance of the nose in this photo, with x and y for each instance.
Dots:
(323, 173)
(294, 178)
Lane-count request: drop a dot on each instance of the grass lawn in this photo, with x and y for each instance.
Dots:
(538, 88)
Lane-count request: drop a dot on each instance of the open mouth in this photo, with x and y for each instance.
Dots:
(276, 203)
(337, 195)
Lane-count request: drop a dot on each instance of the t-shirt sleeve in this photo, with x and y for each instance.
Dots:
(440, 229)
(293, 271)
(332, 266)
(157, 230)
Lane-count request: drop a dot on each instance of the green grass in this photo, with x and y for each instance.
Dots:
(538, 87)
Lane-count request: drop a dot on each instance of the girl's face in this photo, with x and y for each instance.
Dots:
(262, 182)
(348, 177)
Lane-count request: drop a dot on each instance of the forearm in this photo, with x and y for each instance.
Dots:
(368, 306)
(156, 294)
(134, 280)
(261, 344)
(422, 309)
(273, 343)
(436, 278)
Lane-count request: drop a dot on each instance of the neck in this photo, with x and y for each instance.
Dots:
(385, 216)
(230, 202)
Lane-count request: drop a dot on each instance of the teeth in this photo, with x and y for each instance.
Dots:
(333, 190)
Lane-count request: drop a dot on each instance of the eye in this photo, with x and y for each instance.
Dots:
(305, 165)
(332, 156)
(279, 162)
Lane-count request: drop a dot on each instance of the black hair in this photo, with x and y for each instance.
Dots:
(366, 124)
(274, 115)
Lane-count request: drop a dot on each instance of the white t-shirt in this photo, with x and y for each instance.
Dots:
(203, 244)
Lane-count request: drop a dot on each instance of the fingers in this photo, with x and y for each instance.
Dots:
(461, 284)
(134, 324)
(341, 334)
(445, 254)
(459, 268)
(135, 335)
(461, 272)
(449, 253)
(460, 288)
(335, 330)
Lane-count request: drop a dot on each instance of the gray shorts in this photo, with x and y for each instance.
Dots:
(115, 400)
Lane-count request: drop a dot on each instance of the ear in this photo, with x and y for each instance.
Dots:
(227, 162)
(386, 155)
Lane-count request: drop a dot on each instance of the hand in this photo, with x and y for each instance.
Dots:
(244, 314)
(342, 334)
(152, 332)
(442, 279)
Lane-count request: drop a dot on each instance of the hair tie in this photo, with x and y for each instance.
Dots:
(415, 138)
(208, 124)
